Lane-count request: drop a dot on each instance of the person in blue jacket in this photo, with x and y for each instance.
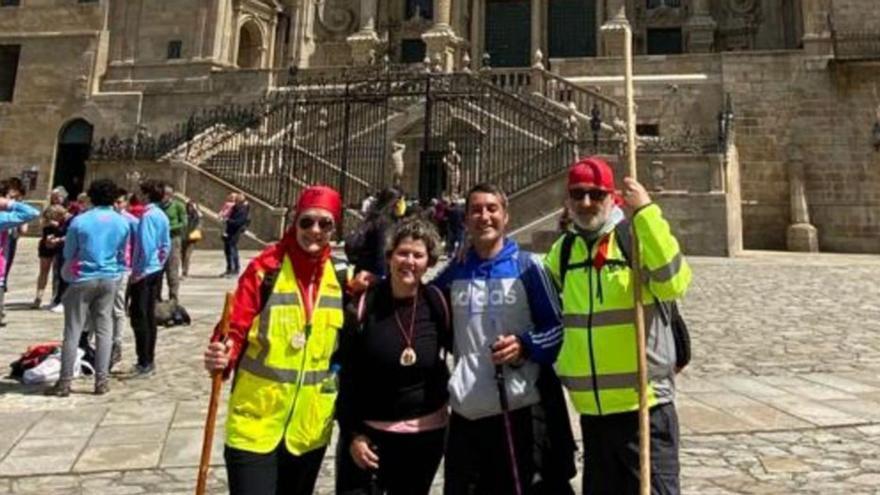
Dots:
(13, 214)
(506, 323)
(94, 261)
(150, 251)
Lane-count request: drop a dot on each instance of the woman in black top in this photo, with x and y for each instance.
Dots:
(392, 400)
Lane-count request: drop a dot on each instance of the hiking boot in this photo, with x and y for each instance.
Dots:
(102, 386)
(60, 389)
(38, 301)
(115, 354)
(139, 371)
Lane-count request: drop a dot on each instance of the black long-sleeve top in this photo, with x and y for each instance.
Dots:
(373, 383)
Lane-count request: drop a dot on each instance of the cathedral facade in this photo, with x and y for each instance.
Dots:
(799, 78)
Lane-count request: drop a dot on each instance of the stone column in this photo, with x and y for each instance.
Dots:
(801, 235)
(612, 30)
(118, 17)
(132, 28)
(537, 26)
(700, 28)
(817, 32)
(364, 43)
(201, 29)
(440, 40)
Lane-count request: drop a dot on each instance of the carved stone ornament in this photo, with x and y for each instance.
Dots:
(335, 16)
(742, 7)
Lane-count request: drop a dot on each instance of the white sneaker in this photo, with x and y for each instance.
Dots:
(58, 308)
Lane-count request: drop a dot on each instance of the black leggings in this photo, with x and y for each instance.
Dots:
(407, 463)
(276, 473)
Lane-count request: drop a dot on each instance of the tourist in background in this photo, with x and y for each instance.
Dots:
(12, 215)
(236, 223)
(94, 253)
(15, 192)
(177, 222)
(51, 242)
(151, 247)
(192, 234)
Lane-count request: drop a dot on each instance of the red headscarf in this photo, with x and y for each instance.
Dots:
(307, 267)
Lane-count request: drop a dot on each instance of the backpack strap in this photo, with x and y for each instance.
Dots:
(623, 237)
(436, 298)
(267, 285)
(565, 255)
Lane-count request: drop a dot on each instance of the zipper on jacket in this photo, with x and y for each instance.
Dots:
(589, 269)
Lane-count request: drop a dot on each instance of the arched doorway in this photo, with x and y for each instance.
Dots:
(74, 146)
(250, 46)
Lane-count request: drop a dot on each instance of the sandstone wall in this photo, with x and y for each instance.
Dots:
(162, 21)
(828, 115)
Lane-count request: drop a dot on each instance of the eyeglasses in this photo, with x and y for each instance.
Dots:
(595, 195)
(324, 223)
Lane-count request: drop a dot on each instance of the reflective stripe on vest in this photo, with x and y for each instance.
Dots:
(278, 394)
(608, 317)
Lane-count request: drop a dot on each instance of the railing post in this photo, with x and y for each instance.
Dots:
(537, 76)
(343, 166)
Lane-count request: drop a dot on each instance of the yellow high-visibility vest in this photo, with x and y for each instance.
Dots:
(598, 362)
(278, 390)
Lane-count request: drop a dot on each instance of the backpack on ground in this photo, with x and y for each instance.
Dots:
(170, 314)
(31, 357)
(669, 311)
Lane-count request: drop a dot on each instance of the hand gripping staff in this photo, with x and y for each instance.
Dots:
(216, 382)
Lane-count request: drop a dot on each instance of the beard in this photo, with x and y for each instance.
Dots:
(589, 222)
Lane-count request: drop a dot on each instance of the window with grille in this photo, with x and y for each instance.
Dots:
(175, 48)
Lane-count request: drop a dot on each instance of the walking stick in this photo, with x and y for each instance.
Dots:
(508, 429)
(644, 422)
(216, 382)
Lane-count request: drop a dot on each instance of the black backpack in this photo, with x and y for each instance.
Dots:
(669, 312)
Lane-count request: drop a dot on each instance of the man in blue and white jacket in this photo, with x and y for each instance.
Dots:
(150, 251)
(505, 312)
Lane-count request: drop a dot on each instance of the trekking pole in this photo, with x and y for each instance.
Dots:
(508, 429)
(216, 382)
(644, 422)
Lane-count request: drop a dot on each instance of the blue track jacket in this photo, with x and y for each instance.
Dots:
(94, 247)
(152, 243)
(509, 294)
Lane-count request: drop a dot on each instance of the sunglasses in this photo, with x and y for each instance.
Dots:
(595, 195)
(324, 223)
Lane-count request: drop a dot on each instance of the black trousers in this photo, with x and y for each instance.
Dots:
(276, 473)
(478, 456)
(408, 463)
(611, 453)
(142, 311)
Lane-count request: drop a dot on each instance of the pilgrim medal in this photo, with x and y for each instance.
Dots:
(408, 357)
(298, 341)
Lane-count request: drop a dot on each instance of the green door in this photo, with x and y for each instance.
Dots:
(571, 28)
(509, 32)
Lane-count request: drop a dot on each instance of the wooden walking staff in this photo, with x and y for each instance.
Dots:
(620, 23)
(216, 383)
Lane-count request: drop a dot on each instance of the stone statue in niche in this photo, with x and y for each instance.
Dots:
(452, 162)
(397, 164)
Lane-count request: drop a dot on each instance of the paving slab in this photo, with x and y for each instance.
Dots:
(32, 456)
(757, 415)
(184, 448)
(80, 422)
(14, 427)
(119, 457)
(128, 434)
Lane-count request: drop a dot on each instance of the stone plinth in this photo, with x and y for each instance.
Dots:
(363, 46)
(802, 237)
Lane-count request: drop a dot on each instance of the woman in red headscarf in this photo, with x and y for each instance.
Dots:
(283, 331)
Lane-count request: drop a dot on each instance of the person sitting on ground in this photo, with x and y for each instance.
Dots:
(94, 251)
(393, 395)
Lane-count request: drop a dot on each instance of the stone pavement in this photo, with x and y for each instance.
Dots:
(783, 395)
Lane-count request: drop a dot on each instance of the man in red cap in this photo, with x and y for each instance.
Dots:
(283, 329)
(597, 362)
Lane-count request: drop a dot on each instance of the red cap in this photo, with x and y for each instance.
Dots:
(322, 197)
(592, 171)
